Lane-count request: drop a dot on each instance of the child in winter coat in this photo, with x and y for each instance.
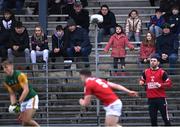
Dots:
(147, 48)
(118, 42)
(133, 26)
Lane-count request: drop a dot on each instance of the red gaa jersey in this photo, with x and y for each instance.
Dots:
(154, 77)
(100, 88)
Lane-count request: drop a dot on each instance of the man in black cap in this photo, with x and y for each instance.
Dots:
(78, 42)
(167, 46)
(80, 15)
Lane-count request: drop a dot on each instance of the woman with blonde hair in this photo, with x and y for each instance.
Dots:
(39, 44)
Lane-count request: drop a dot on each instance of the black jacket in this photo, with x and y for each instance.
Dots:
(167, 43)
(6, 31)
(22, 40)
(79, 37)
(58, 42)
(3, 24)
(109, 20)
(175, 19)
(41, 42)
(81, 18)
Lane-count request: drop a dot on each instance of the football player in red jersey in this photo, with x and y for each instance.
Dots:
(102, 90)
(156, 81)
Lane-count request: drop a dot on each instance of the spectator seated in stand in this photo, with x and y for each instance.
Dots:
(118, 42)
(39, 44)
(174, 20)
(55, 6)
(165, 7)
(108, 24)
(156, 23)
(19, 43)
(147, 48)
(167, 46)
(78, 42)
(17, 4)
(133, 26)
(80, 16)
(68, 8)
(59, 45)
(6, 26)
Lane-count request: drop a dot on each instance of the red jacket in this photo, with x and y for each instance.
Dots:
(118, 44)
(146, 51)
(154, 77)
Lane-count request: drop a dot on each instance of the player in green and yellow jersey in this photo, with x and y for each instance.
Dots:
(16, 82)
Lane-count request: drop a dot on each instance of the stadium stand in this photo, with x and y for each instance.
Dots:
(60, 89)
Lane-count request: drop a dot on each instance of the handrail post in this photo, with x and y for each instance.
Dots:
(97, 73)
(47, 93)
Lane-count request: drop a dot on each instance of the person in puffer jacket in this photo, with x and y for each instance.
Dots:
(133, 26)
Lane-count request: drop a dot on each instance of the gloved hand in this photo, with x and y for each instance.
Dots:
(18, 107)
(14, 108)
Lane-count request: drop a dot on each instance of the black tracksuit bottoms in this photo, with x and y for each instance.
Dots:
(160, 104)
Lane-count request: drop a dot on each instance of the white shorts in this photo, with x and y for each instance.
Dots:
(114, 109)
(30, 104)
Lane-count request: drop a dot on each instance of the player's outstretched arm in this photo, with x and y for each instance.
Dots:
(122, 88)
(11, 93)
(86, 101)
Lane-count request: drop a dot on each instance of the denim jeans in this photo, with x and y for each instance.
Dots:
(12, 53)
(103, 32)
(84, 53)
(135, 35)
(156, 30)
